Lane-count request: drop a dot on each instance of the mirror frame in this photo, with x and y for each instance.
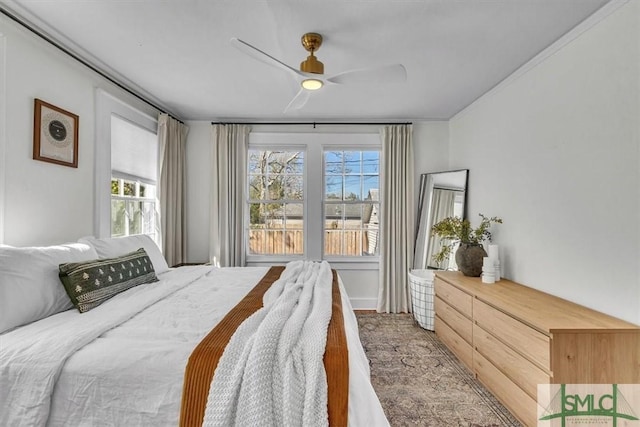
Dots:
(429, 182)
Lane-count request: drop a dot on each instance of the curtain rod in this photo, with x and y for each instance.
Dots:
(83, 62)
(312, 123)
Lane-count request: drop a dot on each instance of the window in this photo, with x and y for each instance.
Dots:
(313, 196)
(351, 202)
(133, 208)
(276, 202)
(126, 156)
(134, 170)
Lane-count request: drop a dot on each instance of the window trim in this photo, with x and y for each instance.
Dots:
(106, 105)
(247, 214)
(252, 258)
(314, 146)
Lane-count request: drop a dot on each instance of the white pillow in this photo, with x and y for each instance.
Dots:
(30, 289)
(117, 246)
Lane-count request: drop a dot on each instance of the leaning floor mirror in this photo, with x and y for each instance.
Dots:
(442, 194)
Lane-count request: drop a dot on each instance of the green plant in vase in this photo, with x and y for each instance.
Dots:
(470, 251)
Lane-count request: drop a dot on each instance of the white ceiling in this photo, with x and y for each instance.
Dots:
(177, 52)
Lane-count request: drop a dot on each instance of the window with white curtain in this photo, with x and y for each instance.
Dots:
(134, 174)
(313, 196)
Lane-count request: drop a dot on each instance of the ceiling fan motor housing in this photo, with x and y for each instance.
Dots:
(312, 65)
(312, 42)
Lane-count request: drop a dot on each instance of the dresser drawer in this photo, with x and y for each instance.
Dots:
(513, 397)
(455, 342)
(532, 344)
(524, 373)
(453, 318)
(457, 299)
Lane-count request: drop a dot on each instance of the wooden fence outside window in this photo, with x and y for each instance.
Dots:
(291, 242)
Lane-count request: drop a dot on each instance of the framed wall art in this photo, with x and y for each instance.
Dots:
(55, 135)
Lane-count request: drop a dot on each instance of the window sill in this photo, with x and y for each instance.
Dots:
(337, 263)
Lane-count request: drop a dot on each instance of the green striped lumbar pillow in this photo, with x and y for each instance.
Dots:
(90, 283)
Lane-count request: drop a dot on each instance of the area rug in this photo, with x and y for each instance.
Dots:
(419, 381)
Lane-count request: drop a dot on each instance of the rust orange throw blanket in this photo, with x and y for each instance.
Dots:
(204, 358)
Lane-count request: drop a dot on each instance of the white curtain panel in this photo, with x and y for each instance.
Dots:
(229, 170)
(172, 140)
(397, 222)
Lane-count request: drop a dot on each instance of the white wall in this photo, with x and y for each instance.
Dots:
(198, 189)
(555, 152)
(431, 154)
(430, 149)
(45, 203)
(3, 126)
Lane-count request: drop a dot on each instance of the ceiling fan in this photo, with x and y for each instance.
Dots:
(311, 76)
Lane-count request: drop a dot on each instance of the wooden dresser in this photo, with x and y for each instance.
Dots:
(513, 338)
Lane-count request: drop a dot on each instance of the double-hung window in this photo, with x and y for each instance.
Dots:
(276, 201)
(134, 173)
(126, 170)
(313, 196)
(351, 202)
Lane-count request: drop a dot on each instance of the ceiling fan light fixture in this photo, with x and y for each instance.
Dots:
(312, 84)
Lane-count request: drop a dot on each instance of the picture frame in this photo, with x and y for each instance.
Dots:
(55, 135)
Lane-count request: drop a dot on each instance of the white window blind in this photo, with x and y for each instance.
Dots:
(134, 151)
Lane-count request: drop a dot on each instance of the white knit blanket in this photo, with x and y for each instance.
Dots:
(272, 372)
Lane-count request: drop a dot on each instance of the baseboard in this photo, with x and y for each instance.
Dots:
(364, 303)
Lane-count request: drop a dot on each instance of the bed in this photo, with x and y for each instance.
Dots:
(123, 361)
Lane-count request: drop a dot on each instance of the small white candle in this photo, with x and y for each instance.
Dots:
(488, 277)
(487, 262)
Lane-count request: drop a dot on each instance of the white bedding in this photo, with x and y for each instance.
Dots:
(131, 353)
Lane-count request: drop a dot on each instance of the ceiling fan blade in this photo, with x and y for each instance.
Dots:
(262, 56)
(386, 74)
(298, 101)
